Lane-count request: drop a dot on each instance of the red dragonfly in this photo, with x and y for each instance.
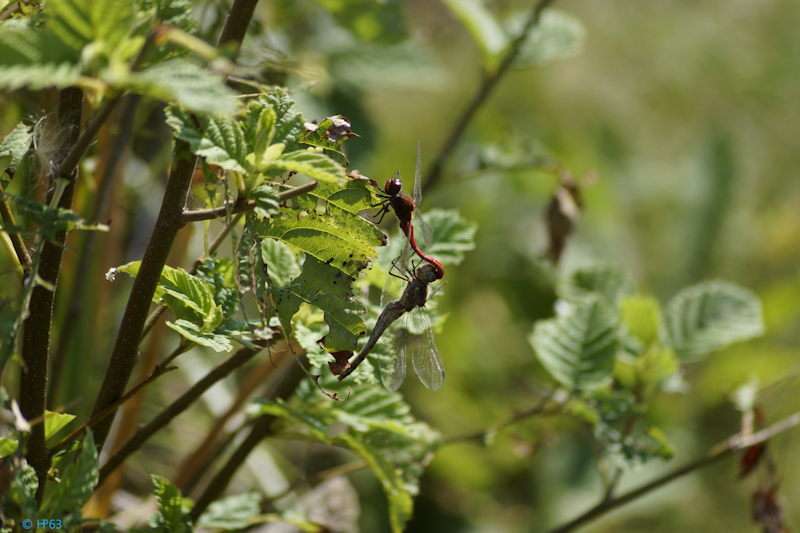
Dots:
(413, 333)
(405, 208)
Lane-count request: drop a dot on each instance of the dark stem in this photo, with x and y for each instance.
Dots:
(126, 348)
(287, 383)
(219, 372)
(490, 79)
(107, 182)
(733, 444)
(237, 23)
(240, 207)
(36, 328)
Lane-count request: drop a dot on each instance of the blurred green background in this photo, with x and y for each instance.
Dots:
(686, 113)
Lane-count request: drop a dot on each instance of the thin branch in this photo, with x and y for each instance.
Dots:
(320, 477)
(725, 448)
(240, 207)
(216, 374)
(490, 79)
(16, 239)
(537, 409)
(261, 429)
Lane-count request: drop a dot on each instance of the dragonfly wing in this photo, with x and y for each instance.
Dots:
(393, 369)
(392, 288)
(418, 177)
(425, 229)
(425, 356)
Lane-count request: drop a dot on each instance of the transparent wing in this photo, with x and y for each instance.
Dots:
(418, 177)
(398, 276)
(425, 229)
(424, 355)
(393, 369)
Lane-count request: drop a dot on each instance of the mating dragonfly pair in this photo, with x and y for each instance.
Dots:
(410, 304)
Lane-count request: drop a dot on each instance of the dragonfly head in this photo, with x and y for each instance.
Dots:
(430, 271)
(393, 186)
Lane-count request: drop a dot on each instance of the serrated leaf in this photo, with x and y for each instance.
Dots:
(578, 347)
(170, 516)
(267, 200)
(193, 332)
(452, 235)
(557, 36)
(370, 20)
(16, 145)
(50, 220)
(219, 139)
(710, 316)
(218, 275)
(22, 491)
(8, 446)
(313, 164)
(78, 482)
(35, 77)
(608, 281)
(55, 422)
(642, 316)
(181, 81)
(233, 512)
(482, 26)
(289, 123)
(79, 22)
(329, 135)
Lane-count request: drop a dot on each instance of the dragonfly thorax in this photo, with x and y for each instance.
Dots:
(429, 272)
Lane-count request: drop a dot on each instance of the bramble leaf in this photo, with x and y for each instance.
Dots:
(219, 139)
(232, 512)
(16, 145)
(557, 36)
(578, 347)
(483, 28)
(78, 482)
(608, 281)
(710, 316)
(55, 422)
(313, 164)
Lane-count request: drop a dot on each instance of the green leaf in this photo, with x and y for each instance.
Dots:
(483, 28)
(233, 512)
(578, 347)
(171, 516)
(219, 139)
(452, 235)
(16, 145)
(78, 482)
(313, 164)
(642, 316)
(8, 446)
(193, 332)
(38, 76)
(267, 200)
(55, 422)
(19, 500)
(289, 123)
(217, 274)
(50, 220)
(281, 262)
(329, 135)
(710, 316)
(557, 36)
(79, 22)
(378, 427)
(181, 81)
(608, 281)
(379, 21)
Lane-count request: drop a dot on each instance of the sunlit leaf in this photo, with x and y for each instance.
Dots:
(171, 515)
(578, 347)
(78, 482)
(55, 422)
(711, 316)
(642, 316)
(219, 139)
(608, 281)
(16, 145)
(193, 332)
(282, 263)
(313, 164)
(232, 512)
(289, 121)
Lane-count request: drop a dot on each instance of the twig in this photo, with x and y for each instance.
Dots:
(725, 448)
(216, 374)
(240, 207)
(261, 429)
(537, 409)
(16, 239)
(321, 476)
(490, 79)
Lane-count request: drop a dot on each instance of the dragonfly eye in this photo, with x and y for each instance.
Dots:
(393, 186)
(430, 271)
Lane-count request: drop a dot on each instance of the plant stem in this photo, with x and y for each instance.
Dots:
(36, 328)
(490, 79)
(23, 257)
(725, 448)
(261, 428)
(219, 372)
(240, 207)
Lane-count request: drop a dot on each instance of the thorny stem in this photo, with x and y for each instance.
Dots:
(216, 374)
(538, 409)
(36, 328)
(490, 79)
(262, 428)
(723, 449)
(240, 207)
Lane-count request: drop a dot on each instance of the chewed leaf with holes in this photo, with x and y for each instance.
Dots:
(325, 224)
(330, 290)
